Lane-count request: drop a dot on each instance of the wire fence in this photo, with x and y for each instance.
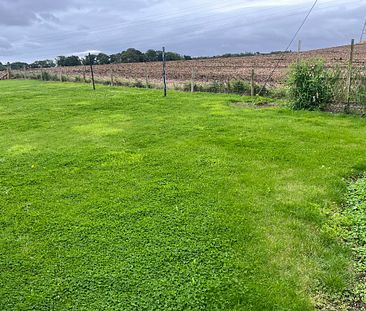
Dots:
(241, 75)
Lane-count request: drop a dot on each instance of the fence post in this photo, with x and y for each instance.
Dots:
(60, 74)
(252, 86)
(111, 75)
(349, 80)
(164, 72)
(298, 50)
(24, 72)
(146, 76)
(91, 70)
(84, 74)
(8, 71)
(192, 80)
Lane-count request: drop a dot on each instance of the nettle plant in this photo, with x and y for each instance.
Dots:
(310, 85)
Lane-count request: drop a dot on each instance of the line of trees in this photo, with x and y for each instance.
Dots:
(131, 55)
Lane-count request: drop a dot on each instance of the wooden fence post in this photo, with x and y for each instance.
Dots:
(84, 74)
(8, 71)
(298, 50)
(24, 72)
(91, 70)
(164, 72)
(146, 76)
(349, 80)
(192, 80)
(252, 85)
(111, 75)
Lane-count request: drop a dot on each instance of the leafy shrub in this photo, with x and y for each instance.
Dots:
(46, 76)
(310, 85)
(239, 87)
(138, 84)
(277, 92)
(79, 79)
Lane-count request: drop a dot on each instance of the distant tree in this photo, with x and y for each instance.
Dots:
(187, 57)
(160, 55)
(61, 61)
(86, 60)
(170, 56)
(68, 61)
(18, 65)
(151, 56)
(103, 59)
(115, 58)
(132, 55)
(73, 61)
(43, 64)
(2, 67)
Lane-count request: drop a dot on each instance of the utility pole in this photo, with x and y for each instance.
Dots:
(363, 33)
(164, 72)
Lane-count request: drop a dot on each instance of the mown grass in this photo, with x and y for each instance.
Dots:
(122, 199)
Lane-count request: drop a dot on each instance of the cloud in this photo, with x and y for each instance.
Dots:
(44, 29)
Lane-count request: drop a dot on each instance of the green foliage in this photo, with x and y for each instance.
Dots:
(79, 79)
(151, 56)
(89, 59)
(310, 85)
(239, 87)
(18, 65)
(43, 64)
(350, 225)
(358, 86)
(103, 59)
(172, 56)
(355, 212)
(64, 61)
(132, 55)
(48, 76)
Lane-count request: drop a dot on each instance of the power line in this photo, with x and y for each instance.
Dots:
(363, 33)
(289, 45)
(197, 24)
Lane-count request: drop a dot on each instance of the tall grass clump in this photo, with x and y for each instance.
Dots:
(310, 85)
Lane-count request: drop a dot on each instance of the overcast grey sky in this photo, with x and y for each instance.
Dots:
(40, 29)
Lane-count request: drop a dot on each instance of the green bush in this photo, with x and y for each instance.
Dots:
(239, 87)
(277, 92)
(46, 76)
(79, 79)
(310, 85)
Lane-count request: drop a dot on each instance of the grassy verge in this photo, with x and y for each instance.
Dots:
(350, 224)
(123, 199)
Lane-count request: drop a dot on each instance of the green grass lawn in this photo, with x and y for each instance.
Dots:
(121, 199)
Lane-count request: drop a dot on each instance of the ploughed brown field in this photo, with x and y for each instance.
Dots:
(218, 69)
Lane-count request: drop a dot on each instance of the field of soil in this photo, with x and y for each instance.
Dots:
(216, 69)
